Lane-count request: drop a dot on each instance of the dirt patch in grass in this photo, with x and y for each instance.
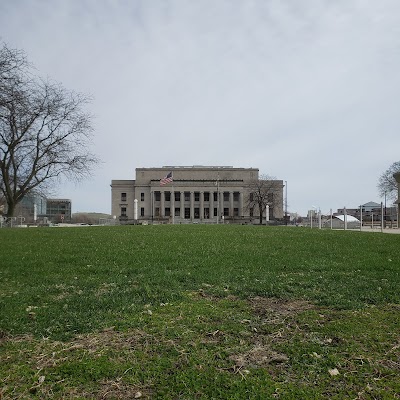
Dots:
(5, 337)
(108, 389)
(117, 389)
(108, 337)
(264, 306)
(92, 342)
(271, 326)
(51, 354)
(258, 356)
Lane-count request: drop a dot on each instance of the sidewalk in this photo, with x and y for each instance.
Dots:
(384, 230)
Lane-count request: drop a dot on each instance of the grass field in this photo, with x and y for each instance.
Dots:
(199, 312)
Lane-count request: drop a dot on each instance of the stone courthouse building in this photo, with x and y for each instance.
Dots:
(202, 194)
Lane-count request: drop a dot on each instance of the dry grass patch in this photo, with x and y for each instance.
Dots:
(117, 389)
(42, 361)
(258, 356)
(265, 306)
(273, 321)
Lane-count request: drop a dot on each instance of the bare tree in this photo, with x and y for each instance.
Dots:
(387, 184)
(44, 131)
(263, 192)
(2, 204)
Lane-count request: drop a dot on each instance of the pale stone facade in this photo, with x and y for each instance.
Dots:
(197, 194)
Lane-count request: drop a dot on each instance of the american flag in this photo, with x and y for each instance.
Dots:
(167, 179)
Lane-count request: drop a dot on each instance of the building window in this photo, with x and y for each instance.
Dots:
(236, 196)
(251, 212)
(141, 196)
(167, 212)
(123, 211)
(187, 213)
(123, 197)
(142, 211)
(206, 213)
(196, 196)
(206, 196)
(187, 196)
(251, 196)
(158, 196)
(215, 212)
(167, 196)
(215, 196)
(157, 211)
(177, 196)
(226, 196)
(197, 213)
(226, 212)
(235, 212)
(177, 212)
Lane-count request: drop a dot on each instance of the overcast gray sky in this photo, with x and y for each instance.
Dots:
(307, 91)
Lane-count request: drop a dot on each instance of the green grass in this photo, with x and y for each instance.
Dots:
(210, 312)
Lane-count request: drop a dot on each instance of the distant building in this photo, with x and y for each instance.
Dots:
(195, 194)
(35, 208)
(59, 210)
(30, 202)
(370, 212)
(338, 222)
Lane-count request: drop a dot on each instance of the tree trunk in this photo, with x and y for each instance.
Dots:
(10, 209)
(260, 207)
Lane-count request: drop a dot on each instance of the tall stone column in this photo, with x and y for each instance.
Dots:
(152, 204)
(182, 205)
(231, 204)
(221, 204)
(162, 204)
(191, 206)
(240, 204)
(201, 206)
(172, 206)
(211, 205)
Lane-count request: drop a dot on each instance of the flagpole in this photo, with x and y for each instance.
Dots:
(173, 208)
(164, 181)
(218, 198)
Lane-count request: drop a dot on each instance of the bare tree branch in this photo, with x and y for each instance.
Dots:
(387, 184)
(45, 131)
(263, 192)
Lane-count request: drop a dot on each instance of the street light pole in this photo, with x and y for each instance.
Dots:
(384, 217)
(285, 202)
(319, 219)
